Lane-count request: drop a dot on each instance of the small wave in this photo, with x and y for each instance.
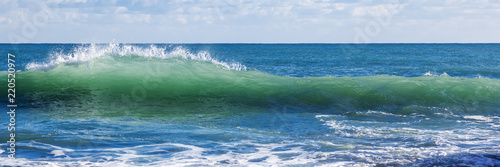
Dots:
(481, 118)
(86, 53)
(428, 73)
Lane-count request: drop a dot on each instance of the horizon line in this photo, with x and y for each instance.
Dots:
(253, 43)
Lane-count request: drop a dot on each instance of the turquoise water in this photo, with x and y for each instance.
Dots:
(255, 104)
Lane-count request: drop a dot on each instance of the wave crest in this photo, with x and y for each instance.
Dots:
(86, 53)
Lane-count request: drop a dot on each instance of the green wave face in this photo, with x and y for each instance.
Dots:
(132, 85)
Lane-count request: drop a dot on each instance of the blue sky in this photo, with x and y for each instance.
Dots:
(254, 21)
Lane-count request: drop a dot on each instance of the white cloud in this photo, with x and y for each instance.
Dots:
(121, 9)
(145, 3)
(264, 20)
(326, 11)
(340, 6)
(378, 10)
(182, 19)
(136, 18)
(66, 1)
(281, 11)
(433, 8)
(75, 17)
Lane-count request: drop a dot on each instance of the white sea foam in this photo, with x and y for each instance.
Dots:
(86, 53)
(266, 154)
(479, 118)
(442, 144)
(191, 155)
(428, 73)
(442, 138)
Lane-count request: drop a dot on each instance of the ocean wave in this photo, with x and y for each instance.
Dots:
(129, 75)
(186, 83)
(86, 53)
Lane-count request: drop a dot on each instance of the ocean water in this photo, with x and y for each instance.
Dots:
(254, 105)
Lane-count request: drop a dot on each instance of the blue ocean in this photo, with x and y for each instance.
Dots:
(253, 105)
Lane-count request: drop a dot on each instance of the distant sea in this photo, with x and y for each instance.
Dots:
(253, 104)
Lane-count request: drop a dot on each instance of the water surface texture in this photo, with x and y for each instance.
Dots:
(255, 104)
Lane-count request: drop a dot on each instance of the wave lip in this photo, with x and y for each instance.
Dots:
(86, 53)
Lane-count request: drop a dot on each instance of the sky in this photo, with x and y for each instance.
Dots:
(250, 21)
